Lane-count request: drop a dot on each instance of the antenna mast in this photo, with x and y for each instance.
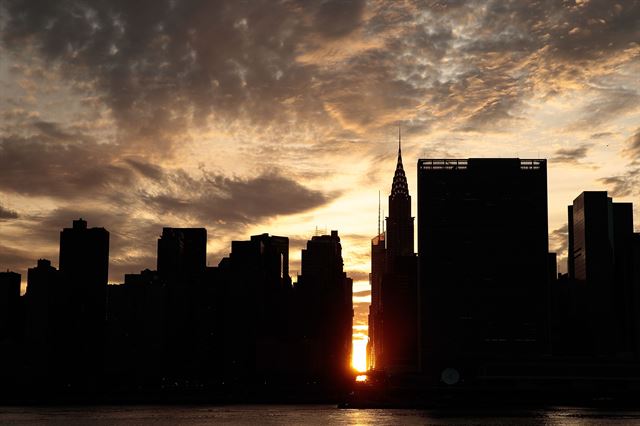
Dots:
(378, 212)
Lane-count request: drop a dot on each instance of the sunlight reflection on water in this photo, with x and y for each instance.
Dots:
(304, 415)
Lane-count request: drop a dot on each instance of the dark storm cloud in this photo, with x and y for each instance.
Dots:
(42, 165)
(535, 45)
(156, 62)
(571, 155)
(163, 65)
(569, 30)
(337, 18)
(51, 160)
(224, 200)
(6, 213)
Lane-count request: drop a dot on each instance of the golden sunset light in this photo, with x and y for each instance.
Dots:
(359, 355)
(273, 153)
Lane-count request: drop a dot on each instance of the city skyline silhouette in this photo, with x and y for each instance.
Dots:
(452, 315)
(149, 150)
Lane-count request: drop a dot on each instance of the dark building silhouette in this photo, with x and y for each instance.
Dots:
(636, 294)
(11, 324)
(182, 254)
(84, 266)
(46, 302)
(600, 265)
(378, 269)
(9, 306)
(137, 328)
(257, 288)
(235, 324)
(394, 284)
(182, 260)
(324, 296)
(399, 234)
(483, 264)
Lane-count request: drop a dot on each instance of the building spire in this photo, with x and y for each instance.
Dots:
(399, 187)
(378, 212)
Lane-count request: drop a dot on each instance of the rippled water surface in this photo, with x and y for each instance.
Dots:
(304, 415)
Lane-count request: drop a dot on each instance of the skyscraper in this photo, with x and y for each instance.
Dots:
(257, 288)
(84, 264)
(45, 304)
(378, 269)
(483, 259)
(393, 321)
(601, 266)
(399, 235)
(84, 269)
(325, 297)
(182, 260)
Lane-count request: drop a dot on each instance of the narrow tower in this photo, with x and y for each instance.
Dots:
(399, 222)
(393, 283)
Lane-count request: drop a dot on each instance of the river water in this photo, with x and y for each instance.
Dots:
(256, 415)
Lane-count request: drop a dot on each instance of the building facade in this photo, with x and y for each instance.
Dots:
(483, 264)
(393, 314)
(600, 265)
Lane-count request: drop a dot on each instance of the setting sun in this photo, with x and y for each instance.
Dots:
(359, 356)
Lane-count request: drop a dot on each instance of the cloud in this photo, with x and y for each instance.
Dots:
(601, 135)
(337, 18)
(15, 259)
(163, 66)
(6, 213)
(146, 169)
(633, 146)
(558, 240)
(48, 160)
(364, 293)
(611, 104)
(624, 185)
(358, 275)
(219, 199)
(361, 312)
(571, 155)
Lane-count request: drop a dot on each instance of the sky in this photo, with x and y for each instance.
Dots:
(257, 116)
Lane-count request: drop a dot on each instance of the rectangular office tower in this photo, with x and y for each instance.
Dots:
(84, 264)
(84, 270)
(324, 298)
(483, 248)
(600, 263)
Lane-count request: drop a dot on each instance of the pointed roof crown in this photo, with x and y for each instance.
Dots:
(399, 187)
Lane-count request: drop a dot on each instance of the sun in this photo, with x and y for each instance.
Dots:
(359, 354)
